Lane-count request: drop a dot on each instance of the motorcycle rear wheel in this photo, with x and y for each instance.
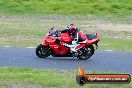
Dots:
(87, 52)
(42, 51)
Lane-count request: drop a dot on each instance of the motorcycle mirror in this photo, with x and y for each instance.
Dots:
(52, 28)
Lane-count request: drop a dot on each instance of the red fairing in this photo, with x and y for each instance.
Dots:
(66, 38)
(44, 43)
(80, 46)
(89, 42)
(48, 40)
(59, 49)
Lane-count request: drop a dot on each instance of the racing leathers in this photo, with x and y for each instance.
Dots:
(77, 38)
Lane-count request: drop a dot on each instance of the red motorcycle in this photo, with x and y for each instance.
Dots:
(55, 42)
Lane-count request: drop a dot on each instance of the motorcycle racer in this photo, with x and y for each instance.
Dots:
(70, 42)
(76, 36)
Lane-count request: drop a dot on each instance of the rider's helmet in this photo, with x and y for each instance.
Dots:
(72, 27)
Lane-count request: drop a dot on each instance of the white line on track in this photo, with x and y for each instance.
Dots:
(7, 46)
(30, 47)
(109, 50)
(23, 47)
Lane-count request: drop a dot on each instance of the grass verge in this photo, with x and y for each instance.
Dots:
(67, 7)
(115, 44)
(25, 77)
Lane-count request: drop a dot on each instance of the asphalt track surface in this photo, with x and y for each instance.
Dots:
(110, 61)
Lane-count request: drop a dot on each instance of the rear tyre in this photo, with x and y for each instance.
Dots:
(86, 52)
(43, 51)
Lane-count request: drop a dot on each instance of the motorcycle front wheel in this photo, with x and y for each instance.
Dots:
(86, 52)
(42, 51)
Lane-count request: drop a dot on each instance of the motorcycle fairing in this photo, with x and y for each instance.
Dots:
(66, 38)
(93, 39)
(44, 43)
(80, 46)
(59, 49)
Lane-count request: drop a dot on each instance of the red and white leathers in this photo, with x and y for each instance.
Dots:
(79, 38)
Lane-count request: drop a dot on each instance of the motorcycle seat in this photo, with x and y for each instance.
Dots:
(91, 36)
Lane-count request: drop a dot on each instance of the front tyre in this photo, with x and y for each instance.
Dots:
(43, 51)
(86, 52)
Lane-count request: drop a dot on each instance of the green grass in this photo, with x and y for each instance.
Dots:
(46, 78)
(116, 19)
(115, 44)
(65, 7)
